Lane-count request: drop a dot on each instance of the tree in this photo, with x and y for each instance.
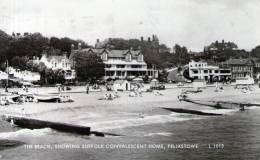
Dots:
(89, 67)
(181, 55)
(162, 77)
(20, 62)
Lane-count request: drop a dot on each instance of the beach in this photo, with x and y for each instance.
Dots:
(88, 110)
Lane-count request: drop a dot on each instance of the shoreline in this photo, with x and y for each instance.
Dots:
(87, 109)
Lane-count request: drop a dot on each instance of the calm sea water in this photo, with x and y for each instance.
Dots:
(237, 135)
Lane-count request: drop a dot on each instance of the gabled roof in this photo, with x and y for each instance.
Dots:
(58, 58)
(111, 53)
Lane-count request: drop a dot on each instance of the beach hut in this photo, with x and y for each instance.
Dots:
(121, 85)
(199, 83)
(154, 82)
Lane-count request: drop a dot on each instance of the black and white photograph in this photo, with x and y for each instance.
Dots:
(129, 79)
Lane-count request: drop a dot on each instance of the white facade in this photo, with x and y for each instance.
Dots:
(245, 81)
(201, 70)
(24, 75)
(3, 75)
(58, 62)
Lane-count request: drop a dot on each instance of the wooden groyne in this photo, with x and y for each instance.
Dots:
(30, 123)
(181, 110)
(39, 124)
(215, 105)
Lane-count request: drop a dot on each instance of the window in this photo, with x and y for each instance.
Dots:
(195, 71)
(140, 58)
(136, 66)
(205, 71)
(216, 71)
(108, 65)
(128, 57)
(120, 66)
(224, 71)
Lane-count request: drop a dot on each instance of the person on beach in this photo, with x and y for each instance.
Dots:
(87, 89)
(6, 90)
(59, 90)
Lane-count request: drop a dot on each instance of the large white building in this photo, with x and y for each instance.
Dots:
(201, 70)
(24, 75)
(122, 63)
(55, 62)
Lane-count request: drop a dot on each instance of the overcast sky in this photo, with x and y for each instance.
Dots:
(193, 23)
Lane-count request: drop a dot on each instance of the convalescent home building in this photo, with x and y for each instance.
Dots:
(201, 70)
(240, 67)
(121, 64)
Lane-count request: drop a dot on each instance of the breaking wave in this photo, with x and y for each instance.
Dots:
(167, 134)
(137, 121)
(25, 133)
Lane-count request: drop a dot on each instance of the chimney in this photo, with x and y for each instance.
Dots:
(142, 39)
(149, 39)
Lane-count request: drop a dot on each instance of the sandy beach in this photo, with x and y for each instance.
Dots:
(88, 110)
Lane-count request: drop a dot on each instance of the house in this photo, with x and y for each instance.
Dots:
(201, 70)
(121, 85)
(56, 61)
(240, 67)
(120, 64)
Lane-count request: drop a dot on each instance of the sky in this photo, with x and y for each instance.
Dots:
(192, 23)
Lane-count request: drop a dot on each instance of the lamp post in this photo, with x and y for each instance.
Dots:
(7, 81)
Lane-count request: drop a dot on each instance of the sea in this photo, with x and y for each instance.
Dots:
(235, 135)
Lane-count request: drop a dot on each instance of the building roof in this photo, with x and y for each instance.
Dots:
(239, 62)
(111, 53)
(57, 58)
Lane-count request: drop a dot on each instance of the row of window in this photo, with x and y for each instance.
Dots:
(127, 58)
(199, 65)
(212, 71)
(242, 68)
(64, 65)
(124, 66)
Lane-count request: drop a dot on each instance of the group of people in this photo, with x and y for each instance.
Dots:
(110, 96)
(137, 92)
